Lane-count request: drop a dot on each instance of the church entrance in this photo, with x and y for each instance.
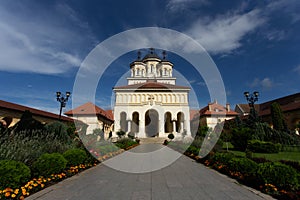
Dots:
(151, 123)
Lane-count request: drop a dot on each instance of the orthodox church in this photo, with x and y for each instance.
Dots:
(151, 104)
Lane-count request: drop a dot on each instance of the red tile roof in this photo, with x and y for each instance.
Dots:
(287, 103)
(285, 108)
(152, 85)
(110, 113)
(246, 108)
(216, 109)
(20, 108)
(89, 109)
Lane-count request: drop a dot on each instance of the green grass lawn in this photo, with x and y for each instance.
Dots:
(294, 156)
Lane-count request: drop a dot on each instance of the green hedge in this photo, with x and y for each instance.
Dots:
(48, 164)
(258, 146)
(243, 165)
(193, 150)
(13, 174)
(223, 158)
(75, 156)
(278, 174)
(125, 143)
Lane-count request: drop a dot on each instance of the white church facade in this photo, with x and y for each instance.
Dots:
(151, 104)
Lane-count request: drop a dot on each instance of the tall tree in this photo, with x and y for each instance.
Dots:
(277, 117)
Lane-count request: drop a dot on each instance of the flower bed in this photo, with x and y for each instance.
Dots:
(37, 184)
(41, 182)
(279, 180)
(273, 178)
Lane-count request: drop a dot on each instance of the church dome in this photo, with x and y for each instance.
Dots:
(151, 55)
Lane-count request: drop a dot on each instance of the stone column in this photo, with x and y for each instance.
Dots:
(187, 127)
(162, 127)
(158, 127)
(129, 126)
(174, 126)
(181, 127)
(141, 133)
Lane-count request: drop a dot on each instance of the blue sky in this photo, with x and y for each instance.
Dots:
(255, 45)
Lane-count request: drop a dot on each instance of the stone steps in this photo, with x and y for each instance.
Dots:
(154, 140)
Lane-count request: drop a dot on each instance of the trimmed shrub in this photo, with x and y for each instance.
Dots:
(120, 133)
(48, 164)
(193, 150)
(75, 156)
(262, 147)
(131, 135)
(125, 143)
(13, 174)
(278, 174)
(106, 148)
(223, 158)
(294, 164)
(243, 165)
(171, 136)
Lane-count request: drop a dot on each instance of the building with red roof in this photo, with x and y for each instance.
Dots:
(290, 106)
(212, 114)
(94, 116)
(15, 111)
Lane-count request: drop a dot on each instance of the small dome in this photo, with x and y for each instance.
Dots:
(151, 55)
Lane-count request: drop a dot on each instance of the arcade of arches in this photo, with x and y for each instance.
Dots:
(152, 123)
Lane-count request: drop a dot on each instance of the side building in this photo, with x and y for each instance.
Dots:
(94, 116)
(213, 114)
(290, 106)
(13, 113)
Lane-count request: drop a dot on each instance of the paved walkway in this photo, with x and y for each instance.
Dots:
(184, 179)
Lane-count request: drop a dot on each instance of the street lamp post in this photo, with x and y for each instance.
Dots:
(62, 99)
(251, 99)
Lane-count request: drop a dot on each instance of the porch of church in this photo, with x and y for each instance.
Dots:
(154, 123)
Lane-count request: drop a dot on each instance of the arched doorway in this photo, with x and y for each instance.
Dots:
(123, 122)
(135, 122)
(168, 123)
(151, 123)
(179, 122)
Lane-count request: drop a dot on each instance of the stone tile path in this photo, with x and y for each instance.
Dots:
(184, 179)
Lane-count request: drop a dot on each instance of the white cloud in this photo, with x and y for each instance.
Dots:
(297, 69)
(41, 44)
(265, 83)
(224, 33)
(181, 5)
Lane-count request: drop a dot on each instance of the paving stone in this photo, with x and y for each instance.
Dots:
(184, 179)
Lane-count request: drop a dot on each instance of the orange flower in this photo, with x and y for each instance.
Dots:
(7, 194)
(8, 190)
(13, 195)
(22, 198)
